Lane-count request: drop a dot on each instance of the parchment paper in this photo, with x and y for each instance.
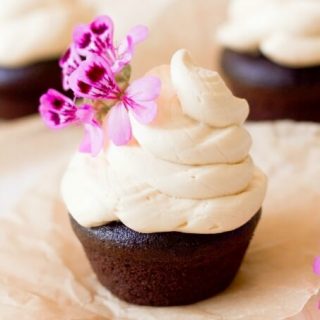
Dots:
(44, 273)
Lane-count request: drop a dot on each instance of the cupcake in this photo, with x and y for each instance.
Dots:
(33, 36)
(271, 57)
(163, 194)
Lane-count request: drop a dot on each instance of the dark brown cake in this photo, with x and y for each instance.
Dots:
(164, 269)
(20, 88)
(273, 91)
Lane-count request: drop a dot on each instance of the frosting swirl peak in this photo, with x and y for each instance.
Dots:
(190, 171)
(203, 95)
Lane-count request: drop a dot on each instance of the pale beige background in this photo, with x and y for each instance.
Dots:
(173, 24)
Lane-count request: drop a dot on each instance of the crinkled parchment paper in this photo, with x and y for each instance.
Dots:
(44, 273)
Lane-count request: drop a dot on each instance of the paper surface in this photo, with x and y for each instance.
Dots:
(44, 273)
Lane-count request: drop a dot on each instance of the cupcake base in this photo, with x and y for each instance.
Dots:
(273, 91)
(20, 88)
(164, 269)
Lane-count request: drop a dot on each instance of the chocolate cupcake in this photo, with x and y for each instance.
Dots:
(33, 36)
(164, 269)
(273, 60)
(166, 219)
(163, 194)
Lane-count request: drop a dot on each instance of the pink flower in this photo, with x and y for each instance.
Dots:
(94, 79)
(93, 68)
(124, 52)
(69, 62)
(58, 111)
(138, 101)
(316, 265)
(97, 37)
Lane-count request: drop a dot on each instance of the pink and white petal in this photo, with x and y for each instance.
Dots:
(50, 119)
(138, 34)
(119, 126)
(121, 63)
(79, 87)
(69, 63)
(95, 68)
(124, 55)
(54, 120)
(316, 266)
(93, 78)
(65, 82)
(85, 145)
(117, 66)
(55, 100)
(82, 37)
(85, 113)
(65, 57)
(57, 110)
(82, 89)
(125, 47)
(144, 89)
(102, 25)
(144, 112)
(92, 141)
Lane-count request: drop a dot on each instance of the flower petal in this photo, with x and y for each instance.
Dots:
(55, 100)
(65, 57)
(82, 37)
(96, 37)
(144, 89)
(124, 55)
(102, 26)
(138, 34)
(119, 126)
(94, 79)
(57, 110)
(69, 62)
(144, 112)
(316, 265)
(93, 139)
(65, 82)
(125, 50)
(85, 113)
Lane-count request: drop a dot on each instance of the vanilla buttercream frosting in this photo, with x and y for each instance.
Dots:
(37, 30)
(189, 171)
(285, 31)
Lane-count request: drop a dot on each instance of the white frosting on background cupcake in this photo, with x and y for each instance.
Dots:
(285, 31)
(190, 171)
(37, 30)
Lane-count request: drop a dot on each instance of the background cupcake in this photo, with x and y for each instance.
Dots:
(33, 33)
(271, 57)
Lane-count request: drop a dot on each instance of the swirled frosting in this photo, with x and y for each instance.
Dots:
(189, 171)
(37, 30)
(285, 31)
